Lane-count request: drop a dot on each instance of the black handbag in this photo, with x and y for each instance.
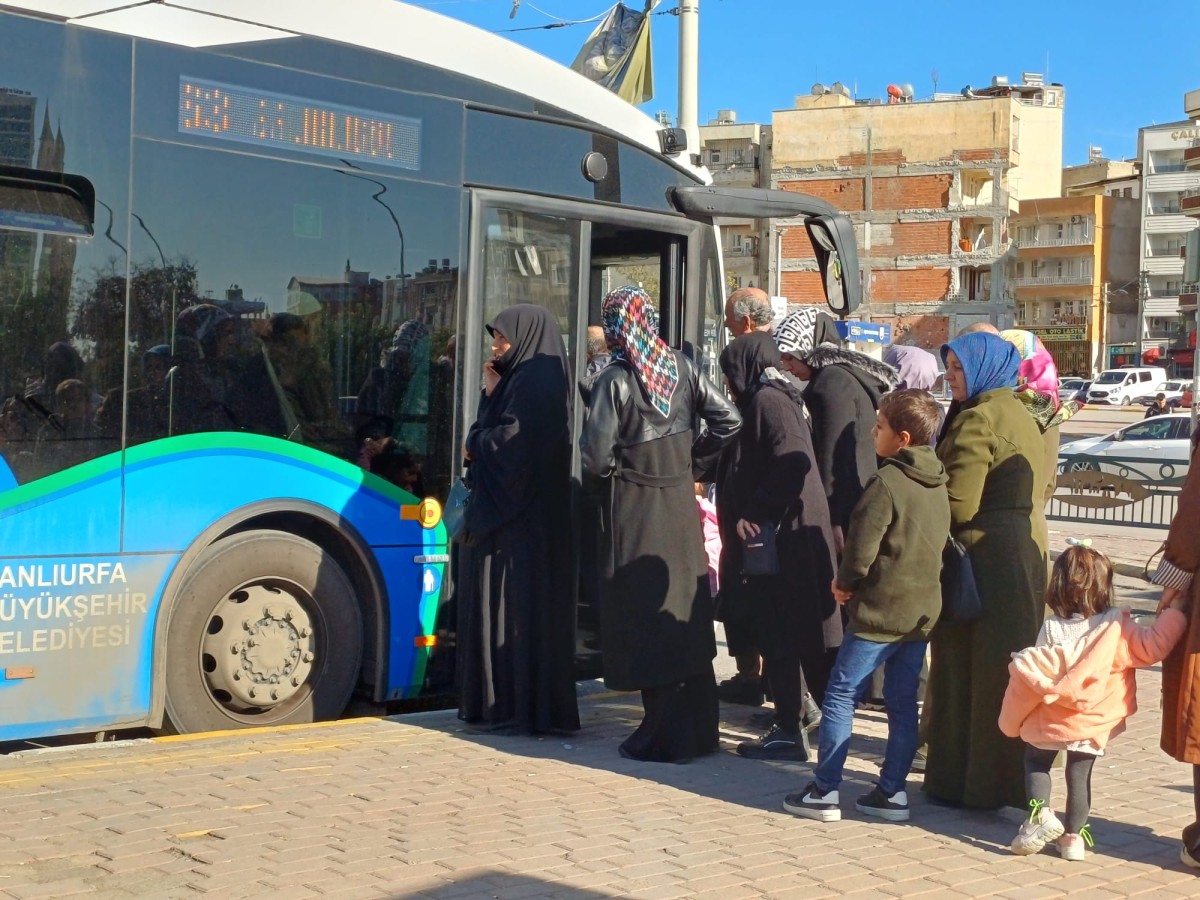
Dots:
(760, 554)
(454, 514)
(961, 604)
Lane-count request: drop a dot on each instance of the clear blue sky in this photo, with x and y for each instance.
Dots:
(1124, 65)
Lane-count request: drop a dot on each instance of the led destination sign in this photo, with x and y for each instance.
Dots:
(250, 116)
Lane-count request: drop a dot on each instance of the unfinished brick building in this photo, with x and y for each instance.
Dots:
(930, 185)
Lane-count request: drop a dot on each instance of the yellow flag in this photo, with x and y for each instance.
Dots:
(617, 54)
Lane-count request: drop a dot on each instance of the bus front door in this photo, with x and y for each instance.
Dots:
(565, 256)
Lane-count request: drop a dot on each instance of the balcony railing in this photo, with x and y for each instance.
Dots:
(739, 251)
(1079, 241)
(1031, 281)
(1168, 168)
(1165, 209)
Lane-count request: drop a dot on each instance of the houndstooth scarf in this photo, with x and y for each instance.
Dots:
(631, 327)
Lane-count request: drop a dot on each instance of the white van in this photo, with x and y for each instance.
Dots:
(1120, 387)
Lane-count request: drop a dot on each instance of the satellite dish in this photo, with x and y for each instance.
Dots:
(818, 89)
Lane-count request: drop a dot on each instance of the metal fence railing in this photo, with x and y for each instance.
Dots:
(1117, 490)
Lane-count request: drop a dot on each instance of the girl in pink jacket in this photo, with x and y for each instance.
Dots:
(1074, 689)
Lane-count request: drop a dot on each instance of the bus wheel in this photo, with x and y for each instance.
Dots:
(265, 630)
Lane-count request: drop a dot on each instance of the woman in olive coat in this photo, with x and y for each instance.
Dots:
(992, 450)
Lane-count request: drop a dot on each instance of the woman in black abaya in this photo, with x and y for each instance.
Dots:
(516, 640)
(768, 479)
(655, 608)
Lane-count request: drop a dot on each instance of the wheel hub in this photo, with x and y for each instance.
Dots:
(259, 648)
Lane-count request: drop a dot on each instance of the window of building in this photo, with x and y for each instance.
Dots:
(714, 156)
(1052, 98)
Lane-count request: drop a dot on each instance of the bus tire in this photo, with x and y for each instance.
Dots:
(265, 630)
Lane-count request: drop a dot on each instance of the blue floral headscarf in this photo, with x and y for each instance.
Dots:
(988, 361)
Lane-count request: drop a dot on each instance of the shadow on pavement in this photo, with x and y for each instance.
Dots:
(504, 886)
(757, 785)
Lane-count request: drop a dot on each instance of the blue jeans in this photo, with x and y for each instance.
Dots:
(856, 660)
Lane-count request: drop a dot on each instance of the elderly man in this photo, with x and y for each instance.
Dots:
(746, 310)
(598, 358)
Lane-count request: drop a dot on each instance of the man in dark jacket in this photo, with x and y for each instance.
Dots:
(889, 577)
(748, 310)
(1158, 408)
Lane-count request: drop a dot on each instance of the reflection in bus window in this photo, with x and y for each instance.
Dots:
(300, 317)
(531, 259)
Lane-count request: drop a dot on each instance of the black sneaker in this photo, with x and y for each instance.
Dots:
(776, 744)
(740, 690)
(877, 803)
(813, 803)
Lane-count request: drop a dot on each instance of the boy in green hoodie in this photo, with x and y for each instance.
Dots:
(889, 578)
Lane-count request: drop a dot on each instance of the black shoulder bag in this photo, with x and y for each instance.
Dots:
(961, 604)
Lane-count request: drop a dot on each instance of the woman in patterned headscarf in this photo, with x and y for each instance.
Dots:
(655, 605)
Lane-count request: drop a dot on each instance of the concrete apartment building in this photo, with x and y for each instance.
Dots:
(737, 155)
(1069, 254)
(930, 186)
(1167, 184)
(1183, 350)
(1103, 177)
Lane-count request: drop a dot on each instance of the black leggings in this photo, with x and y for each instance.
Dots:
(786, 679)
(1079, 783)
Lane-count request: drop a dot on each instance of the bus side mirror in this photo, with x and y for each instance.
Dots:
(837, 258)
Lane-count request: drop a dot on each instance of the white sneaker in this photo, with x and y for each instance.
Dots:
(1071, 847)
(812, 803)
(1036, 832)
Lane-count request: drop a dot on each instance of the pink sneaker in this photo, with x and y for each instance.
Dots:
(1071, 847)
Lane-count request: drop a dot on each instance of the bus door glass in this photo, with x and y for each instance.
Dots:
(528, 258)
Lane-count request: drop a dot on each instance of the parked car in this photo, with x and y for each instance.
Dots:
(1073, 389)
(1118, 387)
(1173, 390)
(1153, 449)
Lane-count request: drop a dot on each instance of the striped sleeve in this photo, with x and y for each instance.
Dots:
(1170, 575)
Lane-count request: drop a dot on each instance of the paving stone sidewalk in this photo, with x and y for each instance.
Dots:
(416, 807)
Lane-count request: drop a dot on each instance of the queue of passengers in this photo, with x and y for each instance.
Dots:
(834, 505)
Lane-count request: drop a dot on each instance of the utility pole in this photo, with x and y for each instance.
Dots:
(1143, 295)
(689, 72)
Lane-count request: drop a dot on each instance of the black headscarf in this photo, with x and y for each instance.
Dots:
(522, 432)
(750, 364)
(534, 335)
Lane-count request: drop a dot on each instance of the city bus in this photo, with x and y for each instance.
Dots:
(247, 252)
